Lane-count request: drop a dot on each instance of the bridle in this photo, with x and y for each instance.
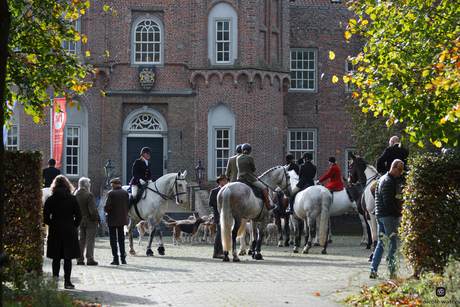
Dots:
(366, 181)
(173, 196)
(288, 182)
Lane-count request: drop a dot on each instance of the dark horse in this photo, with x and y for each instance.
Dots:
(281, 214)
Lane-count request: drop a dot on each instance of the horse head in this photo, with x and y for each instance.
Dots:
(285, 183)
(180, 187)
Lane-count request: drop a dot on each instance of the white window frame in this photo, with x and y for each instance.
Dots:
(221, 152)
(13, 134)
(73, 47)
(349, 67)
(305, 140)
(78, 163)
(346, 159)
(154, 22)
(222, 12)
(303, 77)
(224, 41)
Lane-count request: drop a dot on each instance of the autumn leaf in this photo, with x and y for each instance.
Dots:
(103, 93)
(331, 55)
(335, 79)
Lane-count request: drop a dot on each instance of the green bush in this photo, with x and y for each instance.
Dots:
(431, 212)
(22, 233)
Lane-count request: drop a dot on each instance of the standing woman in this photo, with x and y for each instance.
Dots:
(63, 215)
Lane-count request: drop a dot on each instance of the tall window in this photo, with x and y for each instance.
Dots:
(12, 139)
(349, 67)
(148, 42)
(302, 141)
(71, 47)
(222, 138)
(72, 150)
(222, 41)
(304, 69)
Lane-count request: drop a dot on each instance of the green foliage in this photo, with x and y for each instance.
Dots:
(38, 67)
(431, 212)
(408, 70)
(22, 233)
(413, 292)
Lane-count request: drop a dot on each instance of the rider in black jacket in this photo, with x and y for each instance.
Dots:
(306, 174)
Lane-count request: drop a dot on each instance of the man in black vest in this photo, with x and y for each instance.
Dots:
(50, 173)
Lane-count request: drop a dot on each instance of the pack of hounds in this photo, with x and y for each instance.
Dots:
(201, 230)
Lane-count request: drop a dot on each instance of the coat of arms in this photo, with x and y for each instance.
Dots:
(147, 77)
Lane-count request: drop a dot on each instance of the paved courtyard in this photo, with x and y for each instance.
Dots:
(188, 276)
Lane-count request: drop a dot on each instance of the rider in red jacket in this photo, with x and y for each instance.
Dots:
(334, 175)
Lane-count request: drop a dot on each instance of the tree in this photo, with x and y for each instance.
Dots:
(408, 71)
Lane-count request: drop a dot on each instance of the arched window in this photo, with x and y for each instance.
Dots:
(221, 139)
(222, 34)
(147, 41)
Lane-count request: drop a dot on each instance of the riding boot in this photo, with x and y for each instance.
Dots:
(290, 208)
(267, 200)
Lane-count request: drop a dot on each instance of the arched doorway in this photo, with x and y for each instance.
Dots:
(145, 127)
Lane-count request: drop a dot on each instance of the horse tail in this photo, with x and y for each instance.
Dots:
(226, 219)
(325, 212)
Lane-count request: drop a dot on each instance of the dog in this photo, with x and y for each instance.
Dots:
(271, 233)
(143, 227)
(171, 223)
(185, 228)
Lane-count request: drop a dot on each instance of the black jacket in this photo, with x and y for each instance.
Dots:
(140, 171)
(49, 174)
(293, 166)
(386, 203)
(389, 155)
(213, 204)
(306, 175)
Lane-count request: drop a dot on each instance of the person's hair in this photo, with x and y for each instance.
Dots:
(52, 162)
(61, 182)
(116, 185)
(289, 157)
(83, 182)
(394, 139)
(396, 162)
(332, 159)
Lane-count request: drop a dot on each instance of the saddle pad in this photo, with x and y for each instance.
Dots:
(257, 192)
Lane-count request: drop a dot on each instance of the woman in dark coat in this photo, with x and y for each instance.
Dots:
(63, 215)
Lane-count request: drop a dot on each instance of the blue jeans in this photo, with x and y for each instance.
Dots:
(114, 232)
(387, 225)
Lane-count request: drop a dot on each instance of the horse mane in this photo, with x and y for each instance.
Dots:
(372, 168)
(270, 170)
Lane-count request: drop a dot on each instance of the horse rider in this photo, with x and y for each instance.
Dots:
(141, 174)
(291, 163)
(232, 169)
(306, 174)
(395, 151)
(334, 175)
(246, 167)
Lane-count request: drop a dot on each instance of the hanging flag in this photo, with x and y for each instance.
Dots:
(58, 129)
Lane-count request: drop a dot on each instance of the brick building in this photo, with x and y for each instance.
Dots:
(227, 72)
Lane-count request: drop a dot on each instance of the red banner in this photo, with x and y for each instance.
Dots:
(58, 129)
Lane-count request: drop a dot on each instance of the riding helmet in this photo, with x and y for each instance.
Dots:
(247, 147)
(144, 150)
(332, 159)
(239, 148)
(308, 156)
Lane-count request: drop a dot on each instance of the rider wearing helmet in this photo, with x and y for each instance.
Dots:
(246, 167)
(141, 174)
(291, 163)
(306, 174)
(232, 169)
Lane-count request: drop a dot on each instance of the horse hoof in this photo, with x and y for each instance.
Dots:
(305, 251)
(281, 245)
(258, 257)
(316, 244)
(254, 256)
(291, 242)
(324, 252)
(226, 259)
(241, 253)
(286, 244)
(132, 252)
(236, 259)
(250, 253)
(329, 241)
(161, 250)
(149, 252)
(295, 251)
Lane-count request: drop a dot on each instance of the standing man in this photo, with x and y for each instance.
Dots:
(291, 163)
(50, 173)
(395, 151)
(306, 174)
(116, 206)
(232, 169)
(141, 174)
(218, 250)
(387, 212)
(89, 221)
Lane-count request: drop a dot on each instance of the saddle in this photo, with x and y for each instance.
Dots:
(257, 192)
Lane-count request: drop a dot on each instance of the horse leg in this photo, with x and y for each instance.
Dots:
(323, 251)
(132, 223)
(236, 227)
(286, 230)
(280, 231)
(295, 224)
(308, 243)
(315, 229)
(329, 231)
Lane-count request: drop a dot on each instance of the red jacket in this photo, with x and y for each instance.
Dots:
(335, 181)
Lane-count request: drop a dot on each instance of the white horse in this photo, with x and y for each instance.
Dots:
(45, 194)
(312, 203)
(366, 175)
(237, 203)
(152, 206)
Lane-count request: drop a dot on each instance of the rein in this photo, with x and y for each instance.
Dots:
(164, 196)
(282, 189)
